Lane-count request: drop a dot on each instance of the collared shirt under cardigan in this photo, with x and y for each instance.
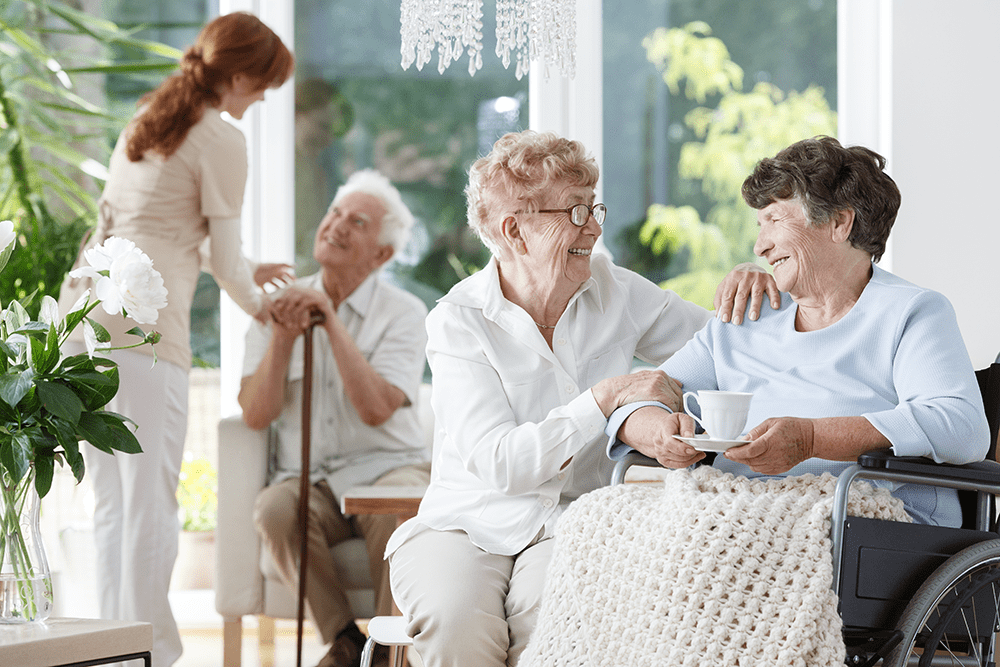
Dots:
(387, 325)
(509, 411)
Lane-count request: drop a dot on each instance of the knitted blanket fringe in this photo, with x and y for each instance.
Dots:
(704, 569)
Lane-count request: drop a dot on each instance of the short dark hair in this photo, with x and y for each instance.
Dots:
(829, 178)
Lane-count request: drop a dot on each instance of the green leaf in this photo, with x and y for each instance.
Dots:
(102, 334)
(60, 400)
(13, 387)
(125, 68)
(124, 440)
(93, 429)
(65, 435)
(107, 431)
(75, 459)
(19, 455)
(44, 469)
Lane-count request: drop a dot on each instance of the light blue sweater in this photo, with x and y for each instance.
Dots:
(897, 358)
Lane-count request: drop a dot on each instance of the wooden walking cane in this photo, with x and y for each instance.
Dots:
(315, 318)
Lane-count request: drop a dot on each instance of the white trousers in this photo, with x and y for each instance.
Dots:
(135, 520)
(464, 606)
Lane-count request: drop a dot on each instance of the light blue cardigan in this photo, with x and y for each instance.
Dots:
(897, 358)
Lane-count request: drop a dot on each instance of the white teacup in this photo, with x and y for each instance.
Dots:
(723, 413)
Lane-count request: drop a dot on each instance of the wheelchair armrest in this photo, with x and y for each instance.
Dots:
(632, 458)
(986, 472)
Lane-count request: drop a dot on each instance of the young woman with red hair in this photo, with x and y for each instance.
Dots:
(175, 189)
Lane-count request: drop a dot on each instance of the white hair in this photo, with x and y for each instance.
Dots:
(397, 221)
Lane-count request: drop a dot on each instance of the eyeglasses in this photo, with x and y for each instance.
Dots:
(579, 214)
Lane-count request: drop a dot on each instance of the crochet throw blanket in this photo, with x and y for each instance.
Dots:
(704, 569)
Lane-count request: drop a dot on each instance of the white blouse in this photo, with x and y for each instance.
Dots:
(510, 412)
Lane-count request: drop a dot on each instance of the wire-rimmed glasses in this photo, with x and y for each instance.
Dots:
(580, 213)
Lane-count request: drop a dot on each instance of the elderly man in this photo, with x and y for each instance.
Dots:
(367, 369)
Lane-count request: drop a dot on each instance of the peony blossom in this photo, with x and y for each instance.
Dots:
(125, 280)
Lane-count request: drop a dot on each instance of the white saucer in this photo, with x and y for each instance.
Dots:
(703, 443)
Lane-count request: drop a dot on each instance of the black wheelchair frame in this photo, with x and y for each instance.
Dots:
(912, 594)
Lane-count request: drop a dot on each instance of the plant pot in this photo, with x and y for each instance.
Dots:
(195, 565)
(25, 579)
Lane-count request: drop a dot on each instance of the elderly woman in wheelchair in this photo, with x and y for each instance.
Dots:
(855, 360)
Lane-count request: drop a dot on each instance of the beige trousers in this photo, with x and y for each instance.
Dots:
(276, 519)
(465, 606)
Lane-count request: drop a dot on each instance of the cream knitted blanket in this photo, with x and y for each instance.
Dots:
(704, 569)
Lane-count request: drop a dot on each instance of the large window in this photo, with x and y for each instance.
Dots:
(356, 108)
(745, 80)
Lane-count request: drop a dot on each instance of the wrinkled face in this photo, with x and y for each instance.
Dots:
(238, 97)
(797, 250)
(348, 235)
(558, 252)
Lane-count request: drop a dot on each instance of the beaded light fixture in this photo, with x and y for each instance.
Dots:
(533, 29)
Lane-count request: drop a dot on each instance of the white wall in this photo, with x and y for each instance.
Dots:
(945, 157)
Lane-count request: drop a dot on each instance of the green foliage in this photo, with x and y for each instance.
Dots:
(196, 494)
(739, 130)
(48, 403)
(53, 144)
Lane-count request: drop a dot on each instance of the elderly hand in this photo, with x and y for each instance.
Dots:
(296, 306)
(651, 430)
(747, 282)
(776, 445)
(646, 385)
(274, 274)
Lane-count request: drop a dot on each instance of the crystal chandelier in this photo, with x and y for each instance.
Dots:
(533, 29)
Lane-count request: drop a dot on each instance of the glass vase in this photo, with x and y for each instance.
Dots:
(25, 579)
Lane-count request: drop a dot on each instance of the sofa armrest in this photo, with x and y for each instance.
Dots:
(243, 454)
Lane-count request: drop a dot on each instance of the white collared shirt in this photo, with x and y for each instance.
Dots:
(387, 325)
(509, 411)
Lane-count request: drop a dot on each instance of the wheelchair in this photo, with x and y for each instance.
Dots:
(912, 594)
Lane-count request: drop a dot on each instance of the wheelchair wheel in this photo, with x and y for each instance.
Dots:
(954, 616)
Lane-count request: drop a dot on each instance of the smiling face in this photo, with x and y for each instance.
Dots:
(348, 236)
(558, 252)
(798, 251)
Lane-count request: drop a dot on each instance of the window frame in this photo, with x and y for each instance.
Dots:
(571, 108)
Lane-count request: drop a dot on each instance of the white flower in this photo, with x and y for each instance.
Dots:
(7, 234)
(125, 279)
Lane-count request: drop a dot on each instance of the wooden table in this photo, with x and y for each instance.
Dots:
(75, 642)
(403, 501)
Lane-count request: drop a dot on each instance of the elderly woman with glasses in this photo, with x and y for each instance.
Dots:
(529, 357)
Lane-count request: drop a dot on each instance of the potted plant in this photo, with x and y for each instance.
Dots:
(50, 402)
(197, 508)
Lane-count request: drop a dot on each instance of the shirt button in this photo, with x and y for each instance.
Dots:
(561, 341)
(569, 389)
(546, 503)
(562, 475)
